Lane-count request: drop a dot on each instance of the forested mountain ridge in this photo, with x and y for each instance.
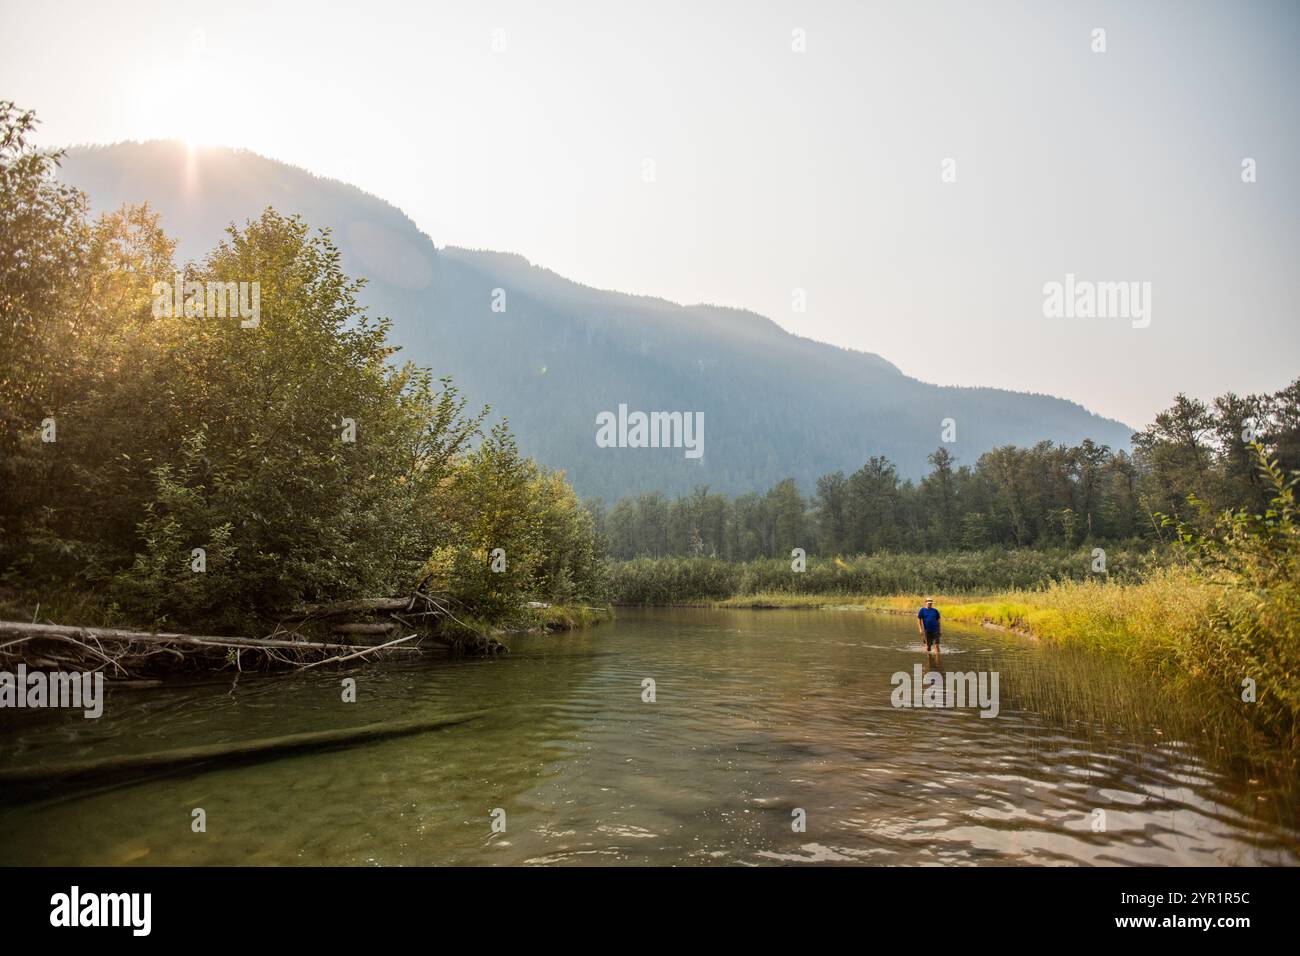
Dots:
(554, 353)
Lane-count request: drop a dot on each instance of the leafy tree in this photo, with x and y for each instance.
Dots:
(209, 472)
(1255, 632)
(493, 528)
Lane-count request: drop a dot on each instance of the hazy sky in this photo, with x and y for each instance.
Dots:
(776, 170)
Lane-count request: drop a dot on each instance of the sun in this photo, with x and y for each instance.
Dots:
(194, 132)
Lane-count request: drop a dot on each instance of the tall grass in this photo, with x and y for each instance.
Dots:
(1202, 662)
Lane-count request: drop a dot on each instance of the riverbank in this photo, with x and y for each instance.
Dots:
(83, 632)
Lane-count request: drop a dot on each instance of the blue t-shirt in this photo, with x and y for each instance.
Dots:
(929, 618)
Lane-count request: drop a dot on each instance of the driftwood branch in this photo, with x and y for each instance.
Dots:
(365, 650)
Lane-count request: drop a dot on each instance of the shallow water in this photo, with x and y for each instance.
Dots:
(757, 715)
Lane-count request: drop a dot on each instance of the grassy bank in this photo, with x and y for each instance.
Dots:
(1158, 658)
(567, 617)
(1222, 652)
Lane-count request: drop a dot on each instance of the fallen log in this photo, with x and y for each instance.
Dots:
(210, 756)
(364, 628)
(25, 631)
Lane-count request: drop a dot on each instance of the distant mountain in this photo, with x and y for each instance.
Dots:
(775, 405)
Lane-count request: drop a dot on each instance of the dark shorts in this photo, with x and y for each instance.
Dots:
(931, 638)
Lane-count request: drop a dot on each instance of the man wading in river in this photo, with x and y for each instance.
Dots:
(927, 623)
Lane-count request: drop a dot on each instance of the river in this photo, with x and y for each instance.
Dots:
(771, 738)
